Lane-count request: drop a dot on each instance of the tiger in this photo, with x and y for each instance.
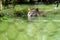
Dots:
(34, 12)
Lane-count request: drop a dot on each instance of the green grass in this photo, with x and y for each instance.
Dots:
(38, 29)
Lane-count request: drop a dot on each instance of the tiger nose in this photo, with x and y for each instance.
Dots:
(31, 15)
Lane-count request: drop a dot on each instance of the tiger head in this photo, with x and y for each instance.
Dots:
(33, 12)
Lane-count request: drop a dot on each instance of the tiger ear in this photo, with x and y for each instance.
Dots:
(37, 9)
